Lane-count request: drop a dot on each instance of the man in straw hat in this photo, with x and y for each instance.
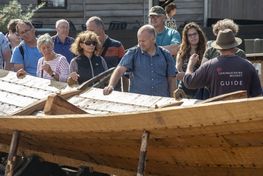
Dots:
(225, 73)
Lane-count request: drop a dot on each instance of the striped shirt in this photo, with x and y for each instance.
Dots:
(59, 65)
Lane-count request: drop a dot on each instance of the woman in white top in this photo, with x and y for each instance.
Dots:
(51, 65)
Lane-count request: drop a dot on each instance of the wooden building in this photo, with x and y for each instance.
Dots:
(131, 14)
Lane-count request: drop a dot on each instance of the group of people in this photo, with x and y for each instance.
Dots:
(161, 64)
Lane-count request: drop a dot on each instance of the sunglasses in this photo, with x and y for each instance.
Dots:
(90, 42)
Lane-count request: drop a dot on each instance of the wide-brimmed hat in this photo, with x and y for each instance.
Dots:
(156, 10)
(226, 40)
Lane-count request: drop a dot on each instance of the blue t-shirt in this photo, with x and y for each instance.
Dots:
(63, 48)
(149, 73)
(30, 59)
(168, 37)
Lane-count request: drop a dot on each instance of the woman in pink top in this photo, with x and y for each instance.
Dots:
(51, 65)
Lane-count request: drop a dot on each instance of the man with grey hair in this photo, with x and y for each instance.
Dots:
(225, 73)
(152, 67)
(166, 37)
(112, 50)
(26, 55)
(62, 40)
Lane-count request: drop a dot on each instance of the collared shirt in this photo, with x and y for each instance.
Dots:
(63, 48)
(30, 59)
(168, 37)
(149, 73)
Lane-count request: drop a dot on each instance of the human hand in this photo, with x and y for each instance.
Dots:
(180, 76)
(107, 90)
(193, 59)
(21, 73)
(46, 67)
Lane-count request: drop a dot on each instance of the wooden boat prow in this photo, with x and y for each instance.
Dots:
(217, 138)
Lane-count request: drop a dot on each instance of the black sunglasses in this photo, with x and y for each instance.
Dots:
(90, 42)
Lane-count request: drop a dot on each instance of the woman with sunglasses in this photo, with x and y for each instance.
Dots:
(193, 41)
(88, 63)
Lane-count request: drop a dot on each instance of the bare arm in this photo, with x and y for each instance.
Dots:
(115, 77)
(172, 84)
(18, 67)
(173, 49)
(192, 61)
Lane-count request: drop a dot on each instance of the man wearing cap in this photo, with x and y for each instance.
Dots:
(225, 73)
(166, 37)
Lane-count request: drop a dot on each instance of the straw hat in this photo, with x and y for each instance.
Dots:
(226, 40)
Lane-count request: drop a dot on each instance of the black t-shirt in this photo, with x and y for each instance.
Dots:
(224, 75)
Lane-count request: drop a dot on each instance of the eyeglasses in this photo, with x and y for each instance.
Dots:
(25, 32)
(193, 34)
(90, 42)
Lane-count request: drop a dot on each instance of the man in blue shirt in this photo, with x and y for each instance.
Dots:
(152, 67)
(169, 38)
(62, 40)
(26, 55)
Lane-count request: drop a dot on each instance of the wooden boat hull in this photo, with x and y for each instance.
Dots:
(222, 138)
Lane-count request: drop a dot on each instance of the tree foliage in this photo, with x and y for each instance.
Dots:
(14, 10)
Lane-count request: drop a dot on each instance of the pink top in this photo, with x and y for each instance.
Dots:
(59, 65)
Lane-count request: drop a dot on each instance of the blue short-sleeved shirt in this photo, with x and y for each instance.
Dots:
(63, 48)
(30, 59)
(149, 73)
(168, 37)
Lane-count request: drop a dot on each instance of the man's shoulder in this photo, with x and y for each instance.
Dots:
(114, 42)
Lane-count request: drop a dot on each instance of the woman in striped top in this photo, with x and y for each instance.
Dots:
(51, 65)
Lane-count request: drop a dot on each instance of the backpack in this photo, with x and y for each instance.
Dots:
(135, 50)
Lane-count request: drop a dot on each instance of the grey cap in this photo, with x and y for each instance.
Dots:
(156, 10)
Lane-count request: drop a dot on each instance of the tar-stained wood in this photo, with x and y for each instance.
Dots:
(56, 105)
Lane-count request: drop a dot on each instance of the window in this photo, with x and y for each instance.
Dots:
(51, 4)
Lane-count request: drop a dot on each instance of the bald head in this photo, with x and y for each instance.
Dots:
(147, 28)
(146, 37)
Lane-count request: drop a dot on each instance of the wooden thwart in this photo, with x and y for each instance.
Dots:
(56, 105)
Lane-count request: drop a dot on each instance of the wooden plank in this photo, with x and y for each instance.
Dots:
(228, 96)
(56, 105)
(39, 105)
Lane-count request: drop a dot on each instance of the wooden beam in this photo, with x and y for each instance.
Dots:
(56, 105)
(228, 96)
(143, 152)
(12, 154)
(39, 105)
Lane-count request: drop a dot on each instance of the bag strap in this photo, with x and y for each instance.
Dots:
(21, 49)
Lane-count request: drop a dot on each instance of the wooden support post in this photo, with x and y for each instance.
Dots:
(143, 152)
(12, 154)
